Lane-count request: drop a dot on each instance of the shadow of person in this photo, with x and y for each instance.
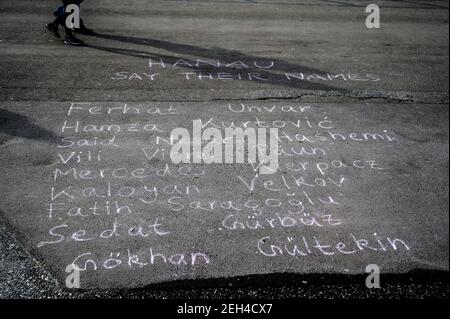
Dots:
(273, 73)
(16, 125)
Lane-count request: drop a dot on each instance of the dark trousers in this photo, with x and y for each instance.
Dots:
(61, 16)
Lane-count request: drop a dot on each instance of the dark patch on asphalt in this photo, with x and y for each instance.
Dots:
(17, 125)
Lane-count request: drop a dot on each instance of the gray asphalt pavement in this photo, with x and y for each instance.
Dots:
(362, 116)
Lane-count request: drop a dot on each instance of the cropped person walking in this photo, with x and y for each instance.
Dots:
(60, 19)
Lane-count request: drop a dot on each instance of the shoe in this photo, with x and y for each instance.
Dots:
(71, 40)
(53, 29)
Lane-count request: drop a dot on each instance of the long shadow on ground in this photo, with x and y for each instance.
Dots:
(17, 125)
(273, 74)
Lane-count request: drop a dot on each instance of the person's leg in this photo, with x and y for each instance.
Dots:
(70, 38)
(60, 19)
(52, 27)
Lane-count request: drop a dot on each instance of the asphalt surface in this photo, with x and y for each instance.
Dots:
(23, 276)
(206, 59)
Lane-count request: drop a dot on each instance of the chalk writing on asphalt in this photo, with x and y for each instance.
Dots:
(113, 184)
